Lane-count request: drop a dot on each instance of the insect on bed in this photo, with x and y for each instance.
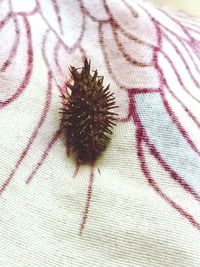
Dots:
(87, 116)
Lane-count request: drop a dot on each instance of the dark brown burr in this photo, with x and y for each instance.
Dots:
(87, 117)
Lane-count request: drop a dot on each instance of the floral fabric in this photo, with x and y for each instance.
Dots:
(140, 204)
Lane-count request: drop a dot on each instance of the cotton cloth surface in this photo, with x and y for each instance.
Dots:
(140, 204)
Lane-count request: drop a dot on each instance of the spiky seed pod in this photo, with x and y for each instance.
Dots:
(87, 117)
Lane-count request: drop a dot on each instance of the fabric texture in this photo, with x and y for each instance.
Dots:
(139, 205)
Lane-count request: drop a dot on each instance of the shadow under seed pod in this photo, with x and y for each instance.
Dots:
(87, 117)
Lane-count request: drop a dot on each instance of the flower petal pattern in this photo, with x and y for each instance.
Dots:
(21, 42)
(151, 59)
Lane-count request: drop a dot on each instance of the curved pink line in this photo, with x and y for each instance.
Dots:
(56, 50)
(44, 156)
(5, 20)
(157, 189)
(172, 173)
(132, 37)
(176, 22)
(195, 49)
(165, 166)
(87, 13)
(32, 137)
(189, 22)
(177, 75)
(102, 43)
(13, 50)
(186, 29)
(163, 84)
(115, 25)
(57, 12)
(141, 136)
(183, 60)
(190, 42)
(44, 42)
(28, 13)
(190, 55)
(105, 54)
(193, 30)
(125, 119)
(189, 113)
(137, 90)
(88, 200)
(183, 27)
(78, 41)
(28, 73)
(24, 13)
(178, 124)
(157, 50)
(171, 113)
(123, 52)
(133, 11)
